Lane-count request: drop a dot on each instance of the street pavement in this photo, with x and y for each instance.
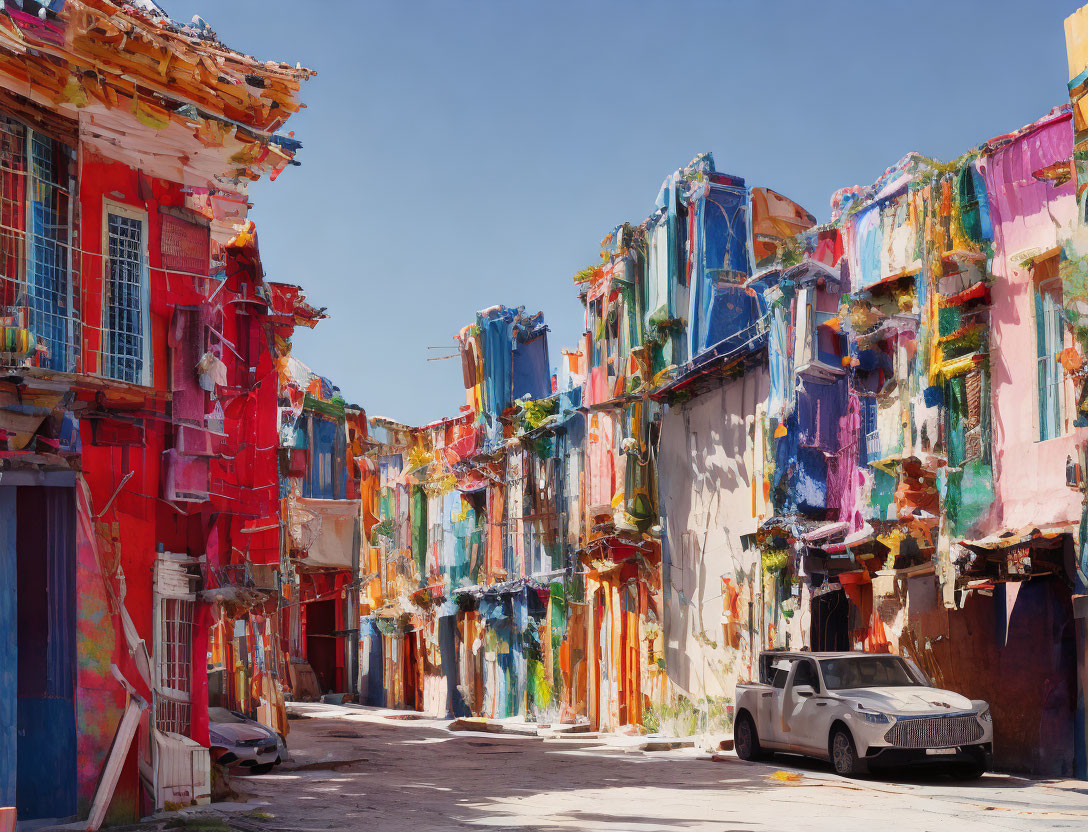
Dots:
(361, 768)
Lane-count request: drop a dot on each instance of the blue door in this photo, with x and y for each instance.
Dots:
(44, 566)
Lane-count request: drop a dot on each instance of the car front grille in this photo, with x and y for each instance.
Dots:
(935, 732)
(263, 743)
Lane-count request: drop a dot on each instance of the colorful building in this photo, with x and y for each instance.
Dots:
(864, 434)
(781, 434)
(138, 470)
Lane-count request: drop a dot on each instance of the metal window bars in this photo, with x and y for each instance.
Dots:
(39, 285)
(173, 706)
(123, 342)
(48, 258)
(172, 716)
(175, 658)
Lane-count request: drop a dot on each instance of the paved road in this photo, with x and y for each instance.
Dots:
(362, 769)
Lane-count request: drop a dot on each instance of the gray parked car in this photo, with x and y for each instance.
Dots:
(238, 741)
(859, 710)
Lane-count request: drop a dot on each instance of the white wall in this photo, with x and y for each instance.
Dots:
(710, 470)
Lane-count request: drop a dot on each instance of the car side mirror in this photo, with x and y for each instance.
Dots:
(804, 690)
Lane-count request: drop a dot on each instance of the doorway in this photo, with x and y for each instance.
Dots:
(830, 622)
(37, 651)
(321, 644)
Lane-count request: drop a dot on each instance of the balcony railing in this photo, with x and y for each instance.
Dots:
(42, 322)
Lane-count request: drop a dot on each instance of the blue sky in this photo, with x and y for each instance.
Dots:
(462, 154)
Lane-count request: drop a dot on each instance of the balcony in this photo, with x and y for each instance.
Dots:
(880, 445)
(42, 321)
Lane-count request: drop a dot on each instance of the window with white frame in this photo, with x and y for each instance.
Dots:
(125, 297)
(1049, 342)
(173, 665)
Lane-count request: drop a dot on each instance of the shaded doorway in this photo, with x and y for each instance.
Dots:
(321, 644)
(830, 630)
(37, 651)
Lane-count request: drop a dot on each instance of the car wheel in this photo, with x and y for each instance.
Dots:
(844, 754)
(746, 739)
(263, 768)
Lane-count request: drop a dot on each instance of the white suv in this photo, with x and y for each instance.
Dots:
(857, 710)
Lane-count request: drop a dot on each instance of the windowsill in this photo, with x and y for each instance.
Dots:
(94, 381)
(1053, 438)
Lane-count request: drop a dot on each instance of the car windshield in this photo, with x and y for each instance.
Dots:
(222, 715)
(869, 672)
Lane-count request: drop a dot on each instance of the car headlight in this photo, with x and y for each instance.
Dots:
(218, 739)
(985, 715)
(873, 717)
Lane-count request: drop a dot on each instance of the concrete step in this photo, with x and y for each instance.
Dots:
(484, 726)
(665, 744)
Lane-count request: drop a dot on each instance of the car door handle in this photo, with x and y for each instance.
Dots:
(821, 704)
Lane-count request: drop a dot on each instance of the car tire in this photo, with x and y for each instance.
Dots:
(746, 739)
(263, 768)
(844, 754)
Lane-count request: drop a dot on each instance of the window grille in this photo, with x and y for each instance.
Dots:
(173, 653)
(124, 339)
(48, 281)
(175, 658)
(174, 665)
(38, 296)
(12, 214)
(173, 716)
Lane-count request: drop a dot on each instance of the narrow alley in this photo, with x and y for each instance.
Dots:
(799, 474)
(355, 767)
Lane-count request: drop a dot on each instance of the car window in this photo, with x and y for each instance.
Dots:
(806, 675)
(781, 673)
(867, 672)
(222, 715)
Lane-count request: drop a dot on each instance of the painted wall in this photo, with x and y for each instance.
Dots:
(710, 497)
(1029, 216)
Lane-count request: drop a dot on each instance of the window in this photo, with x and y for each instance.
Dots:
(173, 653)
(324, 479)
(869, 672)
(125, 307)
(177, 635)
(870, 433)
(1049, 342)
(48, 266)
(806, 675)
(781, 673)
(36, 292)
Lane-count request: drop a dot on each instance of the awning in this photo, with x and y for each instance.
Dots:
(1049, 534)
(826, 531)
(325, 530)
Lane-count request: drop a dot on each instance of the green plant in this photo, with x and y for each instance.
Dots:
(684, 717)
(774, 560)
